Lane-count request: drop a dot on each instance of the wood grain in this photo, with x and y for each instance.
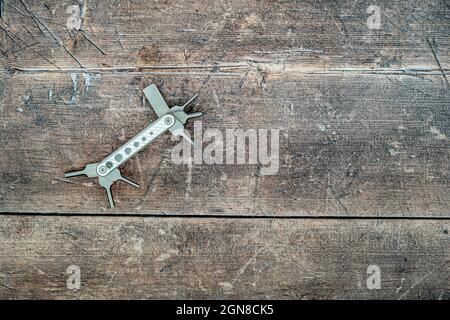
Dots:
(364, 134)
(345, 149)
(315, 34)
(122, 257)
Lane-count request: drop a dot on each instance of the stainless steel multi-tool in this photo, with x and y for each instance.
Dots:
(173, 120)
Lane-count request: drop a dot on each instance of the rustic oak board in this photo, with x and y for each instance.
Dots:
(123, 257)
(345, 149)
(315, 34)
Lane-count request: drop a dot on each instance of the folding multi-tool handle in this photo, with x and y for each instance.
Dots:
(136, 144)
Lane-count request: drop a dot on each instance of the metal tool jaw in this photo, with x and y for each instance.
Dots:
(169, 119)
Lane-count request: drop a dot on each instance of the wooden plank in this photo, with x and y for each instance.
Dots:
(363, 119)
(122, 257)
(315, 34)
(364, 145)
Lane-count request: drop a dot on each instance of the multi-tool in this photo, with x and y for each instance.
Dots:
(173, 120)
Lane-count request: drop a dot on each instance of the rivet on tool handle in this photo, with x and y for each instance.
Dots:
(136, 144)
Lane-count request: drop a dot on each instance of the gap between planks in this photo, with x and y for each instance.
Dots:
(219, 216)
(222, 70)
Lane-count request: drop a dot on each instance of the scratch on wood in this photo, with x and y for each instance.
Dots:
(422, 279)
(342, 22)
(65, 180)
(432, 48)
(15, 9)
(69, 234)
(395, 25)
(118, 38)
(51, 33)
(83, 33)
(408, 87)
(13, 36)
(246, 264)
(150, 183)
(28, 31)
(7, 287)
(338, 200)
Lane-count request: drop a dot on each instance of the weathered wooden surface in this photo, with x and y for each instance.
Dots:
(223, 258)
(345, 149)
(364, 132)
(357, 137)
(314, 34)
